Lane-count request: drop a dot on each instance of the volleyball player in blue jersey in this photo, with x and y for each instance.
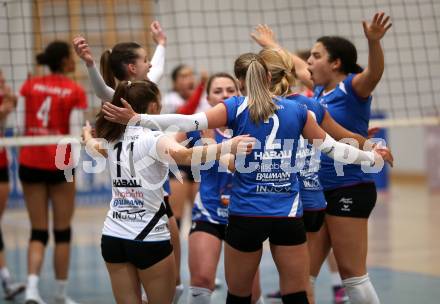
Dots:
(210, 211)
(281, 67)
(344, 88)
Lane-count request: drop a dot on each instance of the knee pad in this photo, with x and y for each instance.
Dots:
(199, 295)
(231, 299)
(299, 297)
(62, 236)
(39, 235)
(360, 290)
(2, 245)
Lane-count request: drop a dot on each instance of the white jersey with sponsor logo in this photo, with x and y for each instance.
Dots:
(137, 210)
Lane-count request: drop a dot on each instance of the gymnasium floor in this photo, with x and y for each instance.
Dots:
(404, 255)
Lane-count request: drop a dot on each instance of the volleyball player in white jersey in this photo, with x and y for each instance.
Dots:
(135, 242)
(345, 89)
(264, 204)
(128, 61)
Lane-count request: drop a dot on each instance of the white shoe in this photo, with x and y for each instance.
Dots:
(65, 300)
(33, 297)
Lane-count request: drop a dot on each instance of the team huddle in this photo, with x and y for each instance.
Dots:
(281, 152)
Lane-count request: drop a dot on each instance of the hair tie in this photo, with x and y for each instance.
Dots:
(253, 60)
(129, 83)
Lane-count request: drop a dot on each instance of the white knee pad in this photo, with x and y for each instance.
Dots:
(360, 290)
(178, 294)
(199, 295)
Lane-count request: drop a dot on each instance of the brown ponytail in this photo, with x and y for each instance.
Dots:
(106, 70)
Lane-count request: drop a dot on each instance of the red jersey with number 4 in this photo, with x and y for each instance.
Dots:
(3, 156)
(49, 101)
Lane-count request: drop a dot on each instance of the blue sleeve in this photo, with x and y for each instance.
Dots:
(302, 115)
(231, 105)
(348, 83)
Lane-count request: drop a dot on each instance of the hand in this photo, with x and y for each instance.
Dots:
(377, 28)
(9, 102)
(124, 116)
(264, 36)
(157, 33)
(242, 144)
(204, 76)
(82, 49)
(372, 132)
(86, 132)
(384, 153)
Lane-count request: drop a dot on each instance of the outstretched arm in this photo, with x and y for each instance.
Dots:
(213, 118)
(170, 151)
(339, 151)
(365, 82)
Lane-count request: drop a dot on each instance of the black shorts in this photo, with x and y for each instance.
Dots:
(186, 172)
(313, 220)
(217, 230)
(33, 175)
(4, 174)
(351, 201)
(168, 209)
(248, 233)
(141, 254)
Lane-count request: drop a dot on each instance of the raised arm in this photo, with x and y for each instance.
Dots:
(265, 37)
(365, 82)
(100, 88)
(158, 60)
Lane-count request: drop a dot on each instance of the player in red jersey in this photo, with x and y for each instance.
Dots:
(52, 104)
(7, 104)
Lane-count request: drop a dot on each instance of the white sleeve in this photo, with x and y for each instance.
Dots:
(345, 153)
(157, 64)
(102, 90)
(175, 122)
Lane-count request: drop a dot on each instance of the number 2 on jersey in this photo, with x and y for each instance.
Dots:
(271, 138)
(43, 112)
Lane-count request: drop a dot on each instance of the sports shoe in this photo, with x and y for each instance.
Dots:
(12, 289)
(339, 295)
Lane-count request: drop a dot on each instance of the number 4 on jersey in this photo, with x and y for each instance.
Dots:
(43, 112)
